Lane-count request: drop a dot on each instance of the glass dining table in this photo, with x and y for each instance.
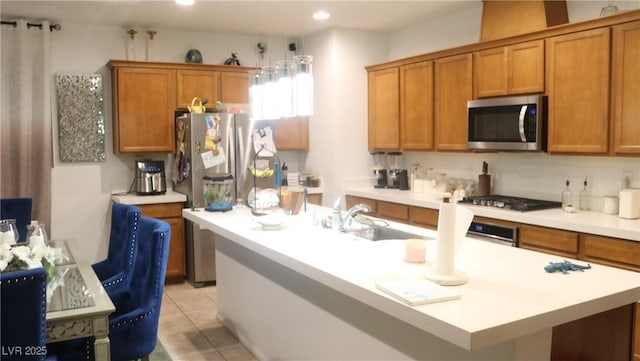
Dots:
(79, 307)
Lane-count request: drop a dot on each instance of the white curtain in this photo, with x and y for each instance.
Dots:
(25, 110)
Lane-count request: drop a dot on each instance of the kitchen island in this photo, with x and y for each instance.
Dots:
(302, 292)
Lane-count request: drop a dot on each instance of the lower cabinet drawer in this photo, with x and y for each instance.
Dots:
(549, 240)
(423, 217)
(610, 251)
(393, 211)
(162, 210)
(353, 200)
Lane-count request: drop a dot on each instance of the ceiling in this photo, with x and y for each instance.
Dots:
(259, 17)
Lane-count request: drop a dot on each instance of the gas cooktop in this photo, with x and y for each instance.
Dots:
(513, 203)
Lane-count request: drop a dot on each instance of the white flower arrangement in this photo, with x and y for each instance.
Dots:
(33, 255)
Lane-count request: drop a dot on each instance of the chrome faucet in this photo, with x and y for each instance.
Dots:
(338, 220)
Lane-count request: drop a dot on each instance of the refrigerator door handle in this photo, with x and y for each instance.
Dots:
(240, 143)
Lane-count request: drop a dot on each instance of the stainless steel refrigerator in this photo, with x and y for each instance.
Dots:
(198, 137)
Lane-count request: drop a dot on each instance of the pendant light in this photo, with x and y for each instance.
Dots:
(256, 93)
(284, 84)
(303, 85)
(269, 94)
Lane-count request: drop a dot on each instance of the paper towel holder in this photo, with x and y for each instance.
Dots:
(445, 274)
(455, 279)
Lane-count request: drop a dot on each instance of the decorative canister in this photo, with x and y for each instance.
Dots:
(218, 192)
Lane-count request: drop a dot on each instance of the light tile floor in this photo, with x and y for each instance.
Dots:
(189, 330)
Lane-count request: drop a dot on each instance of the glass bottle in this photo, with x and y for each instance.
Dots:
(584, 197)
(567, 197)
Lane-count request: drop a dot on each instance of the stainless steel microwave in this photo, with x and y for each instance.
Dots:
(515, 123)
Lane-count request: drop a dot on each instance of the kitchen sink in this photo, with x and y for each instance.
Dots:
(384, 233)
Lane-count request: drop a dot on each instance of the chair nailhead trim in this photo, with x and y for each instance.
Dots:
(136, 319)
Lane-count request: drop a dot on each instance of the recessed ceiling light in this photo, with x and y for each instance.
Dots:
(185, 2)
(321, 15)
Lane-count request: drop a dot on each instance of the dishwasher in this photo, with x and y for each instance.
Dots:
(494, 233)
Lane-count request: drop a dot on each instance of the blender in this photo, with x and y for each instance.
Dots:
(394, 168)
(379, 171)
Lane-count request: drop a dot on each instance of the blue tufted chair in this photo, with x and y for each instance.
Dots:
(23, 310)
(133, 327)
(115, 271)
(18, 209)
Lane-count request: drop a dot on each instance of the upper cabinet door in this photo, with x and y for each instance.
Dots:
(453, 88)
(144, 101)
(204, 84)
(513, 69)
(416, 106)
(625, 88)
(490, 72)
(234, 87)
(526, 67)
(384, 109)
(292, 133)
(578, 91)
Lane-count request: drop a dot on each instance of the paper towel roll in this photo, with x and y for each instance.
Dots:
(453, 223)
(446, 240)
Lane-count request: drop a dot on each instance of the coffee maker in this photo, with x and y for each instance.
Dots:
(394, 169)
(379, 170)
(150, 177)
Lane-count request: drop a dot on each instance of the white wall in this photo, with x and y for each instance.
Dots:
(443, 30)
(338, 129)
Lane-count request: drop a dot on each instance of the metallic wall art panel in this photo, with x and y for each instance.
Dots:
(81, 127)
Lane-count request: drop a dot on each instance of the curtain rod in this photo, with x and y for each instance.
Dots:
(33, 25)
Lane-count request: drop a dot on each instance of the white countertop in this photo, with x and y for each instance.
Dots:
(581, 221)
(508, 295)
(131, 198)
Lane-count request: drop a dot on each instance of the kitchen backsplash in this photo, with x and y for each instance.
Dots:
(535, 175)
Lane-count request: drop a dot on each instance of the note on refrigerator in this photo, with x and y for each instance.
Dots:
(211, 160)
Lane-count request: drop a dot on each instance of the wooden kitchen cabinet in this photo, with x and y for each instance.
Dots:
(423, 217)
(172, 214)
(625, 89)
(144, 101)
(513, 69)
(353, 200)
(197, 83)
(613, 252)
(401, 107)
(636, 347)
(387, 210)
(223, 86)
(291, 133)
(234, 87)
(392, 211)
(147, 94)
(315, 198)
(453, 87)
(549, 240)
(416, 106)
(577, 79)
(384, 109)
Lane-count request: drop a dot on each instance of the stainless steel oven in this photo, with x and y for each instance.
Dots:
(494, 233)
